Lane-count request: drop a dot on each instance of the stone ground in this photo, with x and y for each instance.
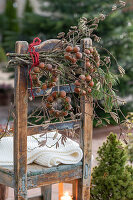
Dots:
(99, 136)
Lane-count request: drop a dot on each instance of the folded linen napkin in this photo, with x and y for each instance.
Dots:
(48, 155)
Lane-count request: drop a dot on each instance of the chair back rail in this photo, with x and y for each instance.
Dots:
(66, 125)
(66, 88)
(49, 45)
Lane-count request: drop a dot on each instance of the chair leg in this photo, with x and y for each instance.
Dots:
(47, 192)
(18, 195)
(75, 189)
(83, 191)
(2, 192)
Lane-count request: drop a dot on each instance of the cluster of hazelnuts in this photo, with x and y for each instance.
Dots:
(85, 82)
(92, 59)
(84, 85)
(49, 83)
(73, 54)
(66, 104)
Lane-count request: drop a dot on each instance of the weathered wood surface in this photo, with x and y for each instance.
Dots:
(48, 45)
(39, 92)
(7, 169)
(34, 169)
(86, 137)
(88, 127)
(2, 192)
(75, 189)
(80, 189)
(39, 175)
(36, 198)
(66, 173)
(6, 179)
(32, 130)
(20, 127)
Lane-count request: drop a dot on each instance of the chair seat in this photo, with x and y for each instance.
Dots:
(39, 176)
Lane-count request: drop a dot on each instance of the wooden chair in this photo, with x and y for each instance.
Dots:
(21, 176)
(2, 192)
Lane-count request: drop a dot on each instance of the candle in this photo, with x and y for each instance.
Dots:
(66, 197)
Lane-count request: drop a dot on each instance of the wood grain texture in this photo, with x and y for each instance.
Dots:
(64, 175)
(32, 130)
(36, 198)
(6, 179)
(86, 137)
(75, 189)
(34, 169)
(48, 45)
(80, 188)
(39, 175)
(3, 190)
(20, 127)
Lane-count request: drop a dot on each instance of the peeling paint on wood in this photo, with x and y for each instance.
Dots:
(49, 45)
(32, 130)
(54, 177)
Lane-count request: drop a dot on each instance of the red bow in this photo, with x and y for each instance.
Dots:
(35, 58)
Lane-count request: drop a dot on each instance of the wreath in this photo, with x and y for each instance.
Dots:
(48, 72)
(52, 102)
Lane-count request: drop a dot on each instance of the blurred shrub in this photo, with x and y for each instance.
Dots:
(3, 57)
(112, 179)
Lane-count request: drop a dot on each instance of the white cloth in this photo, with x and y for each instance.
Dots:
(70, 153)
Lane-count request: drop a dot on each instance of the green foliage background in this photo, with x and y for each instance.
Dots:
(116, 31)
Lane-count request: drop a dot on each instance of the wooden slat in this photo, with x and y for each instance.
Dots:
(32, 130)
(34, 169)
(7, 169)
(6, 179)
(40, 176)
(75, 189)
(48, 45)
(20, 127)
(3, 191)
(36, 198)
(58, 174)
(80, 189)
(87, 119)
(38, 92)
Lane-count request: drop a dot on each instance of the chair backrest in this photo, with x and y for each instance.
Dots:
(31, 130)
(21, 109)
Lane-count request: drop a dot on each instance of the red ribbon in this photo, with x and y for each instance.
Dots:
(35, 58)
